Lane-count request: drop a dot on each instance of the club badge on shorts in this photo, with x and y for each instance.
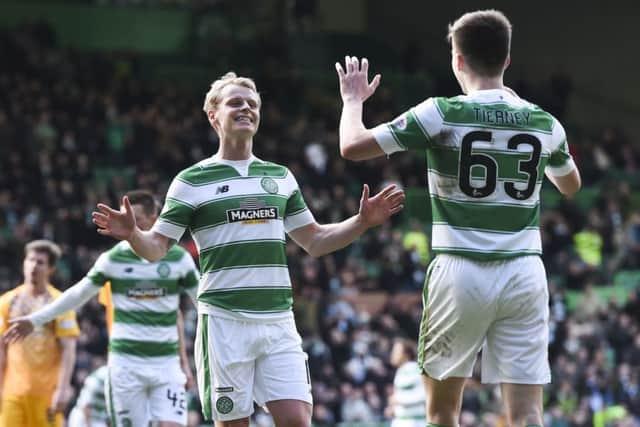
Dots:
(224, 405)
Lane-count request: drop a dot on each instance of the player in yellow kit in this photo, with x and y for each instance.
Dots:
(35, 373)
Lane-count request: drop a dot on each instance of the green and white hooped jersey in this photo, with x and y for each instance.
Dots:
(408, 392)
(92, 394)
(487, 153)
(146, 298)
(237, 213)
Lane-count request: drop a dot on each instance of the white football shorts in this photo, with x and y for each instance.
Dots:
(137, 394)
(499, 307)
(239, 362)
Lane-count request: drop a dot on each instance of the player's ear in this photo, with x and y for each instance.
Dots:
(507, 62)
(459, 61)
(211, 115)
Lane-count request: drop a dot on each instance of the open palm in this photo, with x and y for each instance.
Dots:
(377, 209)
(354, 80)
(117, 224)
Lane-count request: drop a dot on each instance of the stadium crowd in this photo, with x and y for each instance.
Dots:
(76, 129)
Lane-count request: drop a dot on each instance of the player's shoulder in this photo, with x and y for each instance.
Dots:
(175, 254)
(8, 296)
(409, 367)
(120, 252)
(206, 171)
(271, 169)
(53, 291)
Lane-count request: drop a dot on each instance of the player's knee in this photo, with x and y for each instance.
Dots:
(525, 415)
(300, 417)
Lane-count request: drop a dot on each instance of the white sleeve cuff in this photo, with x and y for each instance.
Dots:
(563, 170)
(71, 299)
(298, 220)
(385, 139)
(167, 229)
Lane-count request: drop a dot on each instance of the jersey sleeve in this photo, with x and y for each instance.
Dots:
(99, 273)
(560, 161)
(296, 214)
(67, 325)
(177, 211)
(61, 308)
(413, 130)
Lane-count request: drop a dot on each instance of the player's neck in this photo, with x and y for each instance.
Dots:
(235, 149)
(475, 83)
(35, 288)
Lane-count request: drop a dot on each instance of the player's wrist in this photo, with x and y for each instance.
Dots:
(352, 101)
(362, 223)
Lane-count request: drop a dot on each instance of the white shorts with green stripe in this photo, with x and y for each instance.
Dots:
(499, 307)
(138, 393)
(240, 362)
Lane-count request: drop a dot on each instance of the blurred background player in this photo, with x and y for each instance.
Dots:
(238, 209)
(408, 398)
(486, 153)
(35, 374)
(145, 380)
(90, 409)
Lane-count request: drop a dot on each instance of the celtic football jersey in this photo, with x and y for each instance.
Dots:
(408, 393)
(237, 213)
(145, 298)
(486, 156)
(92, 394)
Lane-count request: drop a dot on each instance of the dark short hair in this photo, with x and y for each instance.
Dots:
(483, 38)
(145, 199)
(408, 347)
(46, 247)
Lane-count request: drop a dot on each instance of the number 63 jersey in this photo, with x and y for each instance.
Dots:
(487, 153)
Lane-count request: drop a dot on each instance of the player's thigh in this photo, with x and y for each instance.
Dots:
(282, 372)
(459, 305)
(167, 397)
(225, 367)
(13, 412)
(290, 412)
(127, 398)
(516, 349)
(523, 403)
(444, 399)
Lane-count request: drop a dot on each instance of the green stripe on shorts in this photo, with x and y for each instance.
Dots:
(206, 404)
(424, 323)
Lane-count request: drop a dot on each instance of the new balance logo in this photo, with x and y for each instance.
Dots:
(222, 189)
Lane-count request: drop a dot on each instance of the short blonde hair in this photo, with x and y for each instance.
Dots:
(47, 247)
(213, 96)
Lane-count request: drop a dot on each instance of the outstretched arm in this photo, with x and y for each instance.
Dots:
(568, 184)
(71, 299)
(320, 240)
(122, 225)
(356, 141)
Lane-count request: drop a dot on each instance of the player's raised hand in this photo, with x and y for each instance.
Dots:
(354, 80)
(118, 224)
(377, 209)
(19, 329)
